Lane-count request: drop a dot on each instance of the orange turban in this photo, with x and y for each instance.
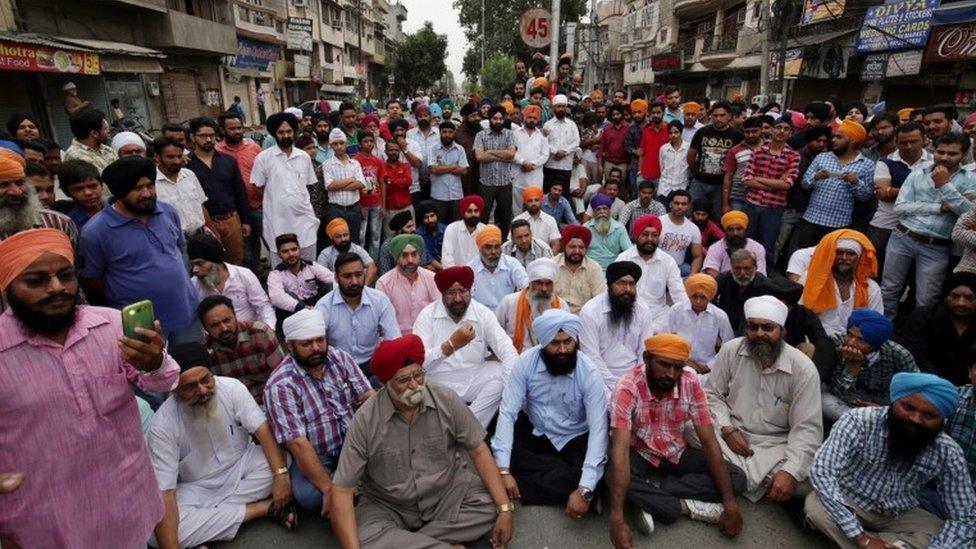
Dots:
(540, 82)
(853, 131)
(11, 164)
(508, 106)
(529, 193)
(532, 110)
(668, 346)
(638, 105)
(334, 226)
(819, 292)
(904, 115)
(692, 108)
(20, 250)
(596, 95)
(487, 235)
(701, 283)
(735, 217)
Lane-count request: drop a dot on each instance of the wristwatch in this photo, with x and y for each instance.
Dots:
(281, 471)
(586, 493)
(506, 508)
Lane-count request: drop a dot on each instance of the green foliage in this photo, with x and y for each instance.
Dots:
(497, 74)
(420, 60)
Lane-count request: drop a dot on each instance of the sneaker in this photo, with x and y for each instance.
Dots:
(704, 511)
(643, 521)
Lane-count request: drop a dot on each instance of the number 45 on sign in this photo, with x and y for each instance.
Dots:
(535, 26)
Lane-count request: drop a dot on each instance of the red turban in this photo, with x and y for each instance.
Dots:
(576, 231)
(461, 274)
(472, 199)
(392, 354)
(20, 250)
(644, 222)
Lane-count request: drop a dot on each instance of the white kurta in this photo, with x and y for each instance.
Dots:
(459, 246)
(505, 313)
(287, 207)
(707, 331)
(614, 350)
(529, 147)
(660, 279)
(835, 320)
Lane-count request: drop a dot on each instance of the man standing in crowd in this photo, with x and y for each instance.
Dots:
(178, 186)
(613, 142)
(494, 151)
(707, 152)
(466, 133)
(733, 188)
(447, 164)
(531, 153)
(244, 150)
(564, 141)
(654, 138)
(91, 138)
(343, 178)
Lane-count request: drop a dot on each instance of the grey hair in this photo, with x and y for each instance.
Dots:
(743, 253)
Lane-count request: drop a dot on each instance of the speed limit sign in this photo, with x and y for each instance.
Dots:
(535, 26)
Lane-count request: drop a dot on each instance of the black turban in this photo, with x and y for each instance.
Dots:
(424, 208)
(961, 278)
(203, 246)
(620, 269)
(123, 175)
(191, 355)
(277, 119)
(400, 220)
(468, 108)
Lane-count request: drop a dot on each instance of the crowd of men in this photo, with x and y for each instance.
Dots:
(640, 307)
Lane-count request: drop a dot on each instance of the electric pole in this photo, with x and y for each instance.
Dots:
(554, 45)
(764, 56)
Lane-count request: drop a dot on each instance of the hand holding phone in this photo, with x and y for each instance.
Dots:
(137, 315)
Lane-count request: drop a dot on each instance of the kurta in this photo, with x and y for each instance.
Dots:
(287, 207)
(408, 298)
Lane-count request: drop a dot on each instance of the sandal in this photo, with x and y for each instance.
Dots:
(287, 516)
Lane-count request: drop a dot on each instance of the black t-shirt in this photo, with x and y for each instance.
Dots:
(713, 146)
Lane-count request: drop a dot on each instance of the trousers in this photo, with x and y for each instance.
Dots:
(231, 237)
(500, 198)
(914, 527)
(545, 475)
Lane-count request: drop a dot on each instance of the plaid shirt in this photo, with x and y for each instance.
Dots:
(632, 211)
(961, 426)
(251, 361)
(875, 377)
(320, 410)
(657, 425)
(853, 464)
(766, 163)
(832, 200)
(494, 174)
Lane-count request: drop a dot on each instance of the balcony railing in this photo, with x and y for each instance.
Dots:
(720, 43)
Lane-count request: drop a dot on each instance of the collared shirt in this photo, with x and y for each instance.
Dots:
(495, 173)
(874, 379)
(885, 216)
(141, 261)
(538, 249)
(69, 420)
(854, 464)
(616, 206)
(222, 183)
(255, 354)
(560, 408)
(329, 255)
(100, 158)
(408, 297)
(674, 168)
(299, 405)
(563, 136)
(80, 217)
(244, 154)
(784, 165)
(459, 245)
(243, 288)
(656, 425)
(561, 211)
(961, 426)
(579, 286)
(358, 331)
(718, 259)
(832, 200)
(660, 279)
(185, 195)
(613, 144)
(678, 115)
(491, 286)
(614, 349)
(447, 186)
(333, 169)
(287, 206)
(50, 219)
(919, 202)
(425, 144)
(778, 405)
(289, 291)
(633, 211)
(707, 330)
(533, 148)
(543, 225)
(604, 248)
(433, 242)
(322, 154)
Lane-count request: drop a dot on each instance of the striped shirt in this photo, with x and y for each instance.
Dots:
(334, 169)
(832, 200)
(765, 163)
(495, 173)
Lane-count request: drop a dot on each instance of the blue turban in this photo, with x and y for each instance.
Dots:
(875, 328)
(10, 145)
(553, 321)
(435, 110)
(600, 199)
(939, 392)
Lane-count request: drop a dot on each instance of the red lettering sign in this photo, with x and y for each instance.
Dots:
(952, 43)
(32, 58)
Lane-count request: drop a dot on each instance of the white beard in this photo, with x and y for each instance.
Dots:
(16, 220)
(207, 424)
(411, 397)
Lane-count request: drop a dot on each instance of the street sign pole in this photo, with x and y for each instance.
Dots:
(554, 45)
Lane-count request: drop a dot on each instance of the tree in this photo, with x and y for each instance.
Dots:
(502, 27)
(497, 74)
(420, 60)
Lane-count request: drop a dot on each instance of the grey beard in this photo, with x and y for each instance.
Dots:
(602, 225)
(540, 303)
(210, 279)
(743, 281)
(410, 397)
(14, 220)
(207, 423)
(765, 353)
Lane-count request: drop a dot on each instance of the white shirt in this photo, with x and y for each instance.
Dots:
(529, 147)
(287, 208)
(835, 320)
(459, 245)
(707, 330)
(885, 216)
(799, 263)
(186, 196)
(506, 315)
(674, 168)
(242, 287)
(333, 169)
(543, 227)
(563, 136)
(688, 134)
(676, 238)
(660, 279)
(415, 149)
(613, 349)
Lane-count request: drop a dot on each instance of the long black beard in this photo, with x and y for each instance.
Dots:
(621, 310)
(558, 365)
(473, 127)
(735, 242)
(905, 441)
(344, 247)
(41, 323)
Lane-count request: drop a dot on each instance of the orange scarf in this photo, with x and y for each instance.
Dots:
(819, 291)
(523, 317)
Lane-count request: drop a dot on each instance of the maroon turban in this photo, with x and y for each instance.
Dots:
(644, 222)
(462, 274)
(472, 199)
(576, 231)
(392, 354)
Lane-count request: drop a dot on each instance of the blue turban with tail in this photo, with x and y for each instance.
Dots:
(939, 392)
(875, 328)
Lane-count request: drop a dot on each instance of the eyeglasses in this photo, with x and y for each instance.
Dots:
(417, 376)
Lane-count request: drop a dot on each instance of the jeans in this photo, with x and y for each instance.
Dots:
(931, 261)
(252, 246)
(879, 237)
(739, 204)
(373, 225)
(787, 226)
(447, 211)
(306, 495)
(713, 193)
(764, 225)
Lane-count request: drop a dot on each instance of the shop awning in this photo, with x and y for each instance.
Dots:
(804, 41)
(108, 46)
(123, 63)
(957, 12)
(334, 88)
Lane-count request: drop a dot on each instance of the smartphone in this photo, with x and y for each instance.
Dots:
(138, 314)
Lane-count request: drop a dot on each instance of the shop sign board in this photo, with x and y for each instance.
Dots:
(952, 43)
(15, 56)
(896, 26)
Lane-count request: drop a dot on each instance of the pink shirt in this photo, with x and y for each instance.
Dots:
(285, 288)
(245, 153)
(70, 423)
(408, 298)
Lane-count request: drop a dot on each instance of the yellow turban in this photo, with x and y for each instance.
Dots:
(692, 108)
(638, 105)
(853, 131)
(529, 193)
(487, 235)
(11, 164)
(701, 283)
(540, 82)
(508, 106)
(596, 95)
(335, 226)
(20, 250)
(668, 346)
(735, 217)
(904, 115)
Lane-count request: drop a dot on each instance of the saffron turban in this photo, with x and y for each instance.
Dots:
(638, 105)
(23, 248)
(392, 354)
(461, 274)
(766, 307)
(539, 82)
(691, 108)
(668, 346)
(532, 110)
(904, 115)
(487, 235)
(335, 227)
(122, 139)
(553, 321)
(819, 293)
(600, 199)
(509, 107)
(401, 241)
(303, 325)
(467, 201)
(596, 95)
(875, 328)
(620, 269)
(11, 164)
(735, 217)
(576, 231)
(529, 193)
(939, 392)
(649, 220)
(541, 269)
(703, 284)
(853, 131)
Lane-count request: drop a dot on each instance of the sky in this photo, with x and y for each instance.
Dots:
(445, 19)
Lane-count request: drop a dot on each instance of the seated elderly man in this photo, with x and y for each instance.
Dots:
(408, 286)
(457, 333)
(212, 475)
(840, 279)
(553, 452)
(867, 359)
(703, 323)
(338, 232)
(609, 236)
(310, 399)
(660, 279)
(495, 275)
(735, 287)
(523, 245)
(518, 310)
(616, 323)
(578, 278)
(212, 276)
(765, 398)
(405, 450)
(296, 283)
(718, 260)
(803, 328)
(869, 473)
(650, 407)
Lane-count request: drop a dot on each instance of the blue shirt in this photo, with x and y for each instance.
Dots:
(560, 408)
(447, 186)
(358, 331)
(79, 216)
(562, 211)
(832, 200)
(490, 287)
(919, 203)
(433, 241)
(141, 261)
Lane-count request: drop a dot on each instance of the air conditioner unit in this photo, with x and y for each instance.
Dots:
(299, 3)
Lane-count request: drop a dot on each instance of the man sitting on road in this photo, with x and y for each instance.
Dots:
(735, 287)
(518, 310)
(523, 245)
(608, 236)
(495, 274)
(459, 246)
(543, 225)
(212, 276)
(296, 283)
(578, 278)
(660, 276)
(705, 325)
(718, 260)
(408, 286)
(338, 232)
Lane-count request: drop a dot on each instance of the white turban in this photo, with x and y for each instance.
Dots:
(337, 135)
(560, 99)
(295, 111)
(122, 139)
(849, 244)
(305, 324)
(541, 269)
(766, 307)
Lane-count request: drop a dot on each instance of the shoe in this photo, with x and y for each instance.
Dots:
(704, 511)
(643, 522)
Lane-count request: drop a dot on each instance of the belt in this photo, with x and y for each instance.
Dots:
(223, 217)
(923, 238)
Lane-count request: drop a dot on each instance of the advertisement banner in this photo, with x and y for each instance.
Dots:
(299, 35)
(816, 11)
(904, 63)
(952, 43)
(15, 56)
(794, 62)
(668, 62)
(896, 26)
(252, 54)
(874, 67)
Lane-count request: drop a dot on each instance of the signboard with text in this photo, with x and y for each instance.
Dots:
(252, 54)
(896, 26)
(904, 63)
(816, 11)
(34, 58)
(952, 43)
(668, 62)
(299, 35)
(535, 27)
(873, 67)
